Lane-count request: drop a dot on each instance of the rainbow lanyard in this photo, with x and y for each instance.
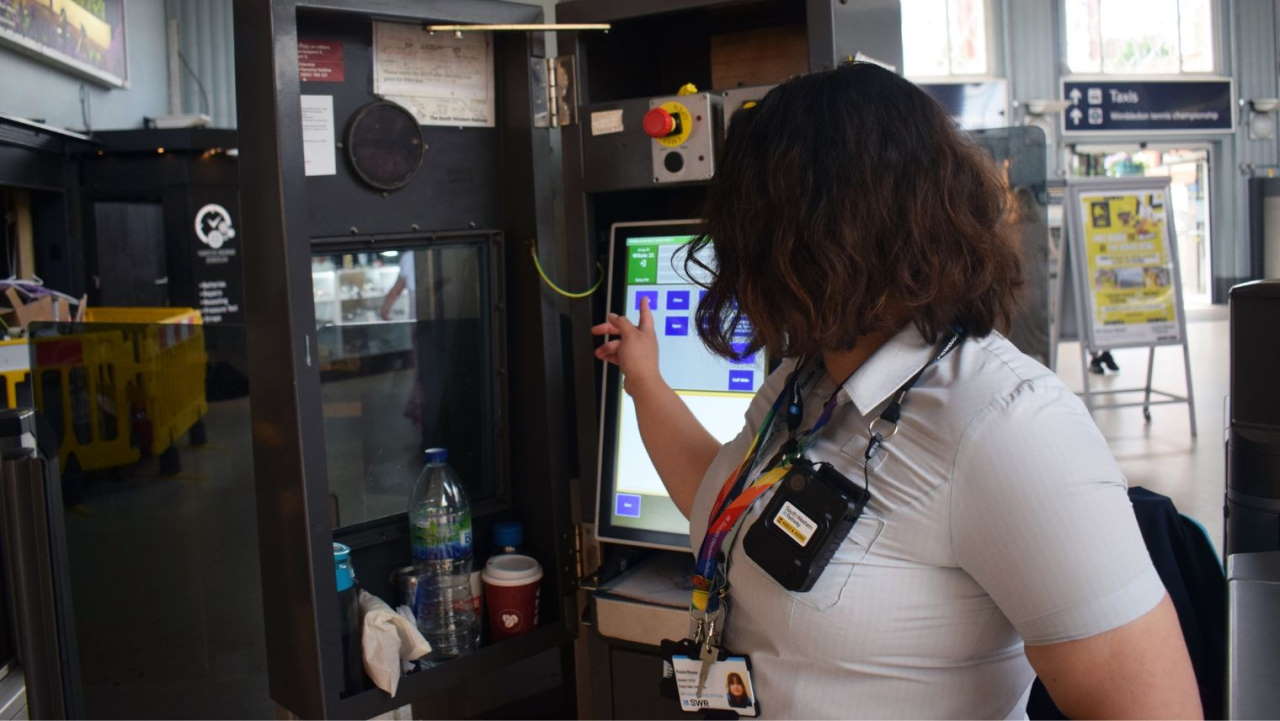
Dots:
(736, 496)
(710, 584)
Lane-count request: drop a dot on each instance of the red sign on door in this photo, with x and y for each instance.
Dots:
(320, 61)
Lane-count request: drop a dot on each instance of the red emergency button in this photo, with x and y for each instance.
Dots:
(658, 123)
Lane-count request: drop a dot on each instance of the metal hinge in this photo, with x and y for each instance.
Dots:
(553, 82)
(586, 567)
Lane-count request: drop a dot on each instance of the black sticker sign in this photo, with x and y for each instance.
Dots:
(217, 263)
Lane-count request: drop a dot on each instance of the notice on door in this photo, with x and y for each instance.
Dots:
(320, 61)
(1129, 267)
(319, 157)
(442, 78)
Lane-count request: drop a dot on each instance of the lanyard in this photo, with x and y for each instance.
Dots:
(710, 583)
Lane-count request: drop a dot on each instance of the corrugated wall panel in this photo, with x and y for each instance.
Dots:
(1033, 41)
(1256, 57)
(1031, 27)
(1255, 54)
(205, 32)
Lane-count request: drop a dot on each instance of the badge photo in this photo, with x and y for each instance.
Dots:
(728, 685)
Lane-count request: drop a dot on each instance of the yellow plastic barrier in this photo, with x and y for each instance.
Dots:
(118, 392)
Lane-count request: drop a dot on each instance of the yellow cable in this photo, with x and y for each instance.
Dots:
(533, 251)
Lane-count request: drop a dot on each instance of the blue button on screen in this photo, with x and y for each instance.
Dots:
(741, 380)
(677, 300)
(627, 504)
(652, 295)
(677, 325)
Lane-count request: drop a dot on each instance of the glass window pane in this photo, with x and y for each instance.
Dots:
(52, 403)
(1197, 36)
(406, 364)
(968, 36)
(924, 38)
(175, 555)
(1140, 38)
(108, 406)
(1084, 53)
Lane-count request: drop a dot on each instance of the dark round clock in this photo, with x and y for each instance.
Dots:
(384, 145)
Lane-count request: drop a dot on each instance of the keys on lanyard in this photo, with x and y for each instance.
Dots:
(710, 629)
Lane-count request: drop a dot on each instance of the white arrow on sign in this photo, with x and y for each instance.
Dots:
(1076, 115)
(1075, 96)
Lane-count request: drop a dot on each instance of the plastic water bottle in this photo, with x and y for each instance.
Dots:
(440, 529)
(349, 616)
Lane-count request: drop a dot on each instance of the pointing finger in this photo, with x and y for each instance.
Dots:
(646, 316)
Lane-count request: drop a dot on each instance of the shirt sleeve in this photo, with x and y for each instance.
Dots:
(1041, 519)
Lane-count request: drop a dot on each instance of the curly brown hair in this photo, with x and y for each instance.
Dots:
(848, 203)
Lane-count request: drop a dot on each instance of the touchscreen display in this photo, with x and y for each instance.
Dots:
(717, 390)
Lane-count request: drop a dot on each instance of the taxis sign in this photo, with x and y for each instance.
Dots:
(1148, 106)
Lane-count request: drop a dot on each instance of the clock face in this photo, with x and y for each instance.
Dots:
(384, 145)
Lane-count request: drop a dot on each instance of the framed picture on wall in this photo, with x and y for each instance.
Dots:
(84, 37)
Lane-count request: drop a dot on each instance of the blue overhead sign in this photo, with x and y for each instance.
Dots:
(1147, 106)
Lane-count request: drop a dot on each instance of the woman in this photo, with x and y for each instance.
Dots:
(737, 691)
(870, 246)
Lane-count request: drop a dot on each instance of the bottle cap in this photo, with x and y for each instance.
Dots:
(508, 533)
(437, 455)
(345, 574)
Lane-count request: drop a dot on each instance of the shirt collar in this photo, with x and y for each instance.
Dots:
(888, 369)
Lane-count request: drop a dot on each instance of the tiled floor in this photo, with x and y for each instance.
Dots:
(1162, 456)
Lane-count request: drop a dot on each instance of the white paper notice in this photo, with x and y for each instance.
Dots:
(443, 79)
(606, 122)
(319, 155)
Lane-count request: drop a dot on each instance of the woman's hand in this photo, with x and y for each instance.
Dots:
(680, 448)
(635, 351)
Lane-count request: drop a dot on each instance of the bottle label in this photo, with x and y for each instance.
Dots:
(442, 538)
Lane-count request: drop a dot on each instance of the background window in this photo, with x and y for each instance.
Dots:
(1153, 37)
(944, 37)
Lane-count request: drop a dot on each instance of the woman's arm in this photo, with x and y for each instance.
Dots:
(1042, 520)
(392, 294)
(680, 448)
(1140, 670)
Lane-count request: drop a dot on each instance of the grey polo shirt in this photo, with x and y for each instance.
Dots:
(998, 516)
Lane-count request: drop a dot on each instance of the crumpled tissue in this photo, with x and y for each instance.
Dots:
(389, 640)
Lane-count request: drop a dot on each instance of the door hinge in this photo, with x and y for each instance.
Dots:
(585, 569)
(553, 82)
(579, 563)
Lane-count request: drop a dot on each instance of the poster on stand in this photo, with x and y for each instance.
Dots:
(1124, 249)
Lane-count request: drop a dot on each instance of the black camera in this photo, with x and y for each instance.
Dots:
(807, 519)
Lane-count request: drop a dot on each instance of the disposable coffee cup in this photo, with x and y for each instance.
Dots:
(511, 583)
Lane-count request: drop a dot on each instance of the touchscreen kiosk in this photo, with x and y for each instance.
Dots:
(647, 260)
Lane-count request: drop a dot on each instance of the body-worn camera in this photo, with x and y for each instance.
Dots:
(807, 519)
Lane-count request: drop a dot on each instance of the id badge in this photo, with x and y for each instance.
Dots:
(728, 687)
